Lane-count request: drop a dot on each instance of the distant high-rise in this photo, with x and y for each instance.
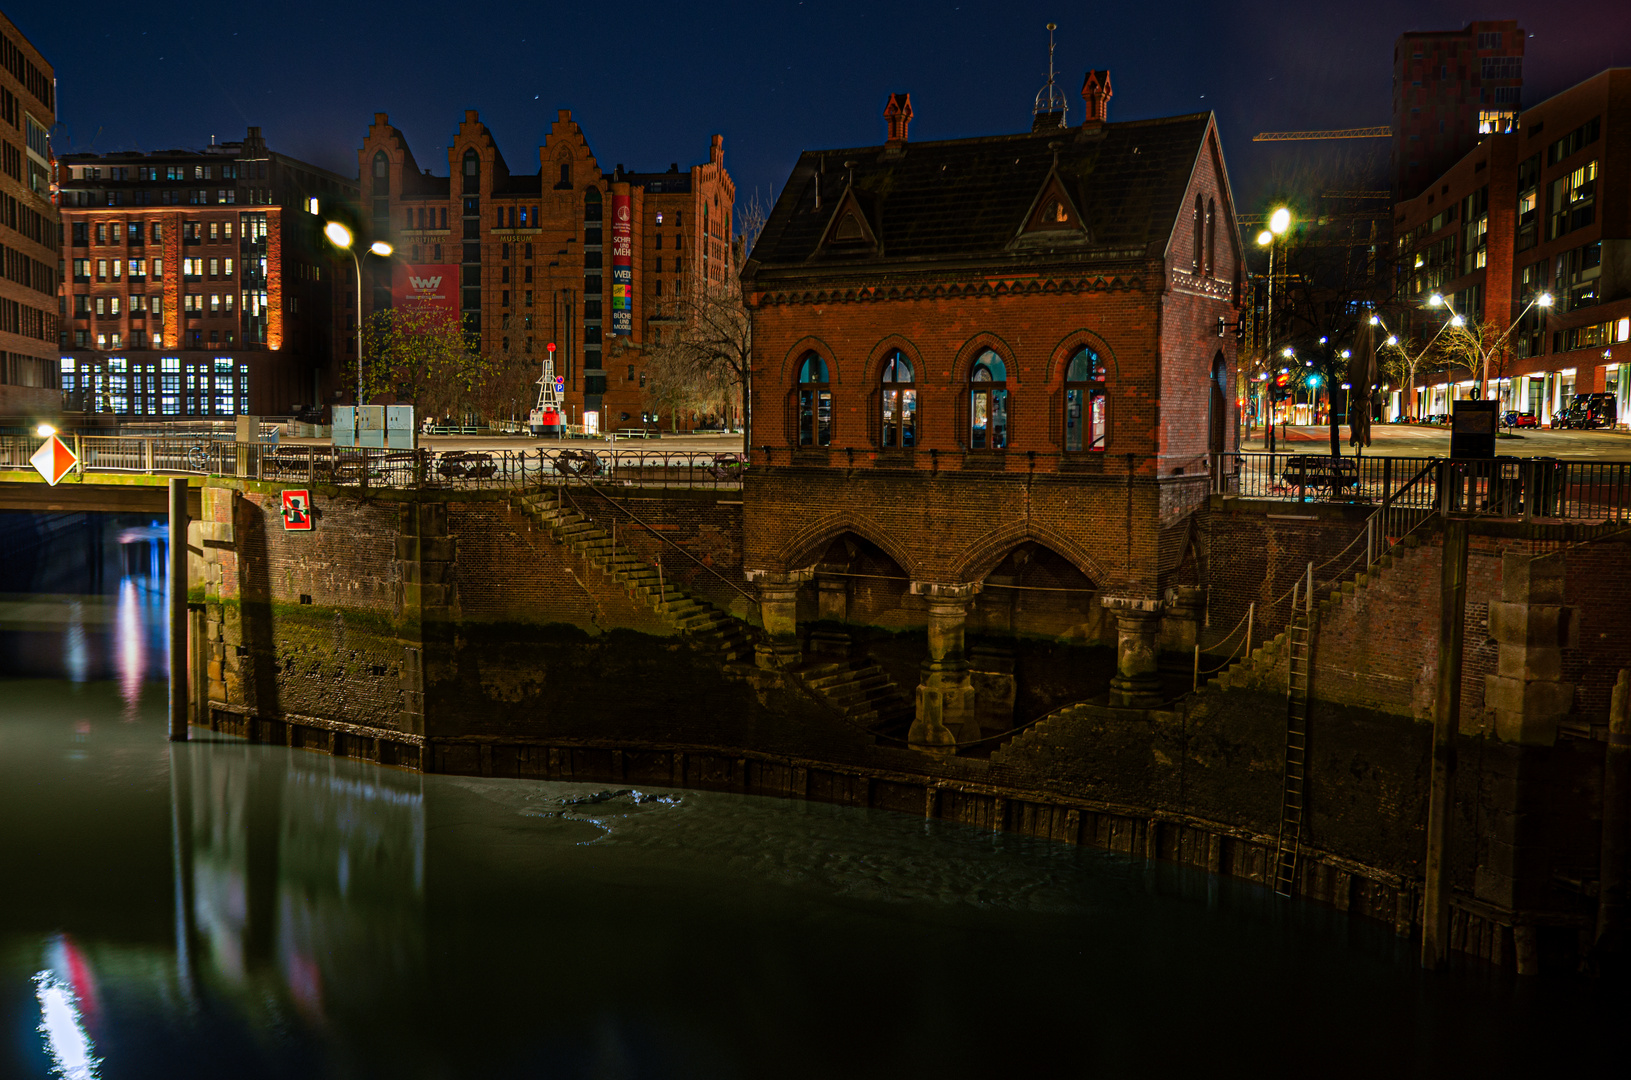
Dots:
(1450, 87)
(30, 235)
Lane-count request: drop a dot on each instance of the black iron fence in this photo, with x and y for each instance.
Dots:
(402, 469)
(1524, 488)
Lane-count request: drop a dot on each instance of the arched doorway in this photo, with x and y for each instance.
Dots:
(1217, 441)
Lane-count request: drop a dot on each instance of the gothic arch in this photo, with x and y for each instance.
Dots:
(988, 552)
(1066, 348)
(977, 344)
(807, 545)
(886, 345)
(802, 346)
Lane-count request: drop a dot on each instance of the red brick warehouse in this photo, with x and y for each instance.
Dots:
(533, 260)
(988, 377)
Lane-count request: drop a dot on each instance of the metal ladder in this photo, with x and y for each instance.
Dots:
(1299, 673)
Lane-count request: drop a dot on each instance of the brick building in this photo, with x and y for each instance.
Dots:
(30, 234)
(198, 283)
(532, 255)
(1449, 89)
(1544, 208)
(987, 378)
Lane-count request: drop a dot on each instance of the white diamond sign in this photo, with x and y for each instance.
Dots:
(53, 460)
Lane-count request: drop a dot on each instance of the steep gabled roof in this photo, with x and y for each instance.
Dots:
(967, 199)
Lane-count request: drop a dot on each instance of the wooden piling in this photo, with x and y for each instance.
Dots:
(1446, 722)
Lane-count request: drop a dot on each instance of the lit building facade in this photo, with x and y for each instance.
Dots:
(537, 256)
(1542, 209)
(198, 282)
(30, 233)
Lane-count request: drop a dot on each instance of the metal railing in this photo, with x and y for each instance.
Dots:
(1521, 488)
(399, 469)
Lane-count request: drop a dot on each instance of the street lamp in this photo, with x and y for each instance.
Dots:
(341, 237)
(1543, 300)
(1279, 222)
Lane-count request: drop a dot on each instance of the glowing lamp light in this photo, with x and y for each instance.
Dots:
(1313, 380)
(1374, 321)
(380, 247)
(45, 431)
(1265, 238)
(1280, 221)
(337, 234)
(1393, 340)
(1287, 353)
(1346, 355)
(1458, 321)
(1435, 300)
(1544, 299)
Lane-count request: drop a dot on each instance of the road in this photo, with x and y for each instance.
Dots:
(1424, 440)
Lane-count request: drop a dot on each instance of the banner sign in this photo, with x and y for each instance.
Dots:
(432, 288)
(622, 265)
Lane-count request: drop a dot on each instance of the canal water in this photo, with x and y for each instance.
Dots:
(216, 909)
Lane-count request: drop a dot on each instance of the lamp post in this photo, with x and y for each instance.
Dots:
(341, 237)
(1279, 222)
(1543, 300)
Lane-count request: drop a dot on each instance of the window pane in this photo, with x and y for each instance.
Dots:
(1073, 417)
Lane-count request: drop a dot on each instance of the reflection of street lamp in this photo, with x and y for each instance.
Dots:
(340, 237)
(1279, 222)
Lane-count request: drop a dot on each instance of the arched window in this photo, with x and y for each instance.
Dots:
(1211, 238)
(1199, 210)
(566, 175)
(899, 404)
(814, 402)
(1084, 401)
(591, 205)
(472, 173)
(988, 403)
(382, 174)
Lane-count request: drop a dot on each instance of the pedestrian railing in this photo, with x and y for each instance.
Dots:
(1523, 488)
(400, 469)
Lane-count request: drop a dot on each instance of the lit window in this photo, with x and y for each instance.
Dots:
(988, 403)
(814, 403)
(899, 403)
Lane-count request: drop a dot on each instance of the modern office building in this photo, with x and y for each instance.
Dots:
(30, 233)
(1449, 89)
(198, 282)
(1542, 209)
(598, 262)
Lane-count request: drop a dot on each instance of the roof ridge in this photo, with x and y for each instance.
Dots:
(1015, 136)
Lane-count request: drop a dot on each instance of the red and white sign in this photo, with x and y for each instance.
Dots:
(53, 460)
(297, 511)
(427, 287)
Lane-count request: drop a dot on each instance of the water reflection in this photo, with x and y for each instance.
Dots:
(301, 882)
(83, 597)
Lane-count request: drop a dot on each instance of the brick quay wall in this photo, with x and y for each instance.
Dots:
(454, 634)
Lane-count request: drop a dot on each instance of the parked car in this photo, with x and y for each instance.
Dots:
(1588, 411)
(1516, 419)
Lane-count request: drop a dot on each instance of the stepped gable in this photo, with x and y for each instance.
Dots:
(971, 198)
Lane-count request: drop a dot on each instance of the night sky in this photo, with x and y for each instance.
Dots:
(650, 82)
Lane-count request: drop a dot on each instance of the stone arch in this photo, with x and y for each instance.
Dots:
(989, 551)
(963, 362)
(1217, 406)
(1066, 348)
(810, 542)
(808, 344)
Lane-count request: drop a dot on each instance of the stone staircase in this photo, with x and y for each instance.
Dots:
(1251, 669)
(714, 630)
(1248, 671)
(861, 693)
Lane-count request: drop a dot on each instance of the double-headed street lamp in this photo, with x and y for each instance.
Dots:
(1544, 300)
(341, 237)
(1279, 222)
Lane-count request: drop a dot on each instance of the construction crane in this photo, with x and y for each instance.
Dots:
(1383, 132)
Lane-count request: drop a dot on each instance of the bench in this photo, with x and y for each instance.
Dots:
(1320, 473)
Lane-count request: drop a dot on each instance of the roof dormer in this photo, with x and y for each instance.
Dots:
(1054, 215)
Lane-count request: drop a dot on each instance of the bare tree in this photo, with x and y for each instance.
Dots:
(421, 357)
(1481, 346)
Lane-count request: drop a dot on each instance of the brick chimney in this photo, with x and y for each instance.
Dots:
(898, 114)
(1096, 92)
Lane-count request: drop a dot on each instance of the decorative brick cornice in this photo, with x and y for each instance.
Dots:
(954, 290)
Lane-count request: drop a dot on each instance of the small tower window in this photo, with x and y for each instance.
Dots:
(472, 173)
